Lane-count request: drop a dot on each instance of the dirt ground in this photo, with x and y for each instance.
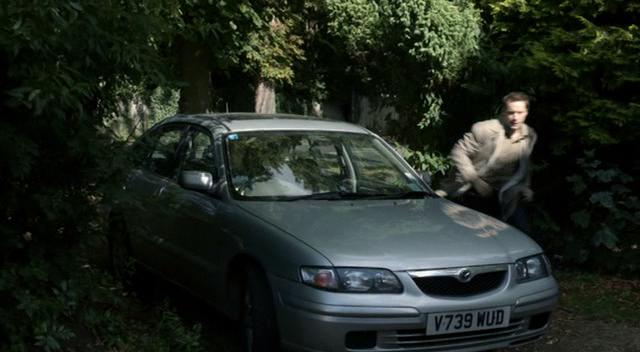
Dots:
(572, 333)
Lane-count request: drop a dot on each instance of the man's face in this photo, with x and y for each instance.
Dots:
(515, 113)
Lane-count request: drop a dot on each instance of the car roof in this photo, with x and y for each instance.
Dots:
(239, 122)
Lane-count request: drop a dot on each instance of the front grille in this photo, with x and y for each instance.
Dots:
(411, 339)
(450, 286)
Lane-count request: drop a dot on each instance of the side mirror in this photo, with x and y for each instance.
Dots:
(196, 180)
(426, 177)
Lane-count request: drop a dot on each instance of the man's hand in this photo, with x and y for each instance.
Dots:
(481, 187)
(527, 194)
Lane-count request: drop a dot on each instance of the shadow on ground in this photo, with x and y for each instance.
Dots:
(219, 333)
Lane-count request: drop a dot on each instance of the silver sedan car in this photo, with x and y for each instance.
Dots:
(318, 236)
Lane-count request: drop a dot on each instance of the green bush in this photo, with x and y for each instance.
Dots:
(432, 162)
(65, 68)
(605, 216)
(578, 60)
(69, 301)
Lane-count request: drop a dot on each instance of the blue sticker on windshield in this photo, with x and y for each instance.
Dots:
(232, 137)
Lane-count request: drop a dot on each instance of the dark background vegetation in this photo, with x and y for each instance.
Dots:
(70, 70)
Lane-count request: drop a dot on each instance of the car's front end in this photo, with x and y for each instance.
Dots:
(408, 290)
(400, 269)
(492, 310)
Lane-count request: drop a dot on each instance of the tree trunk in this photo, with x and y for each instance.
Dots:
(265, 98)
(194, 61)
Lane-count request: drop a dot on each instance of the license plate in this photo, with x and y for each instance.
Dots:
(452, 322)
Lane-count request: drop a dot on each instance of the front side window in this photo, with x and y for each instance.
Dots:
(198, 152)
(161, 149)
(289, 165)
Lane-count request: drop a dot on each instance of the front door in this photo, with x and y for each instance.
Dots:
(158, 168)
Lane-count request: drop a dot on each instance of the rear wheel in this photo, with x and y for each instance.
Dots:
(259, 328)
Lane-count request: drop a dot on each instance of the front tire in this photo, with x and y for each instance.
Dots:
(122, 264)
(120, 260)
(259, 326)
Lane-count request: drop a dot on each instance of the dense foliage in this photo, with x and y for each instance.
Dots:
(68, 68)
(64, 69)
(579, 60)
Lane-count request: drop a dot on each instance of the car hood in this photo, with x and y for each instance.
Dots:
(406, 234)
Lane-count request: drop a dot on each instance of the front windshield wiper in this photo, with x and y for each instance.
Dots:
(334, 195)
(342, 195)
(406, 195)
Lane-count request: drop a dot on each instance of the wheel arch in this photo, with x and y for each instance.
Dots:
(235, 281)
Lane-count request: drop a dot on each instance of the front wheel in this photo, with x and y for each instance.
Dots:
(120, 259)
(259, 327)
(122, 264)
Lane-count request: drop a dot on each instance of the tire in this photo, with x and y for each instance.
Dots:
(122, 264)
(258, 319)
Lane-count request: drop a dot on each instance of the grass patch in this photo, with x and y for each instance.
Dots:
(600, 297)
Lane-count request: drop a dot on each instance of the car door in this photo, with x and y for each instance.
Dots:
(158, 166)
(192, 233)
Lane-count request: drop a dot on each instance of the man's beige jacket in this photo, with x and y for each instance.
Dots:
(476, 153)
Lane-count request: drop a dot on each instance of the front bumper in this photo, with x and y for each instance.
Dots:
(314, 320)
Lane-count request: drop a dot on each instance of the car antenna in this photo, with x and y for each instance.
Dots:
(226, 103)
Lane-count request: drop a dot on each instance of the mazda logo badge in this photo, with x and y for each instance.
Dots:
(464, 275)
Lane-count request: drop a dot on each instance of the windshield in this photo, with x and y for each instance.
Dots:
(303, 164)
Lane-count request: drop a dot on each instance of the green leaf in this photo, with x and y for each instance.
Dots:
(17, 25)
(602, 198)
(625, 178)
(590, 153)
(606, 176)
(33, 94)
(581, 218)
(605, 237)
(76, 6)
(620, 189)
(578, 183)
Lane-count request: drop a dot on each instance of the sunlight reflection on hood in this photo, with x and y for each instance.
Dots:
(487, 226)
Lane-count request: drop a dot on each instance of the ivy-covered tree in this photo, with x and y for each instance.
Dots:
(271, 52)
(257, 41)
(209, 39)
(407, 52)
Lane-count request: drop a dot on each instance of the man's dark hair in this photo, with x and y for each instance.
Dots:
(515, 96)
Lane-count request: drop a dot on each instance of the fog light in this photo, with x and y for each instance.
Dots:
(538, 321)
(360, 340)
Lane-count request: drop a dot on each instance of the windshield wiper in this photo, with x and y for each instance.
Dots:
(408, 195)
(334, 195)
(341, 195)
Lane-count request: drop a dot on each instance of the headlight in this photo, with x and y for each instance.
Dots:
(351, 279)
(532, 268)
